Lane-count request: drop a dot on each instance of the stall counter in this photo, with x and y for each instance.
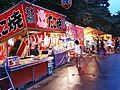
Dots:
(23, 74)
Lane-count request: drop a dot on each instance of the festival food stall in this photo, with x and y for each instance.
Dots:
(91, 35)
(30, 37)
(73, 32)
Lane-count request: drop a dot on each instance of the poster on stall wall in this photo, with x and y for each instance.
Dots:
(3, 51)
(11, 22)
(70, 30)
(41, 18)
(80, 34)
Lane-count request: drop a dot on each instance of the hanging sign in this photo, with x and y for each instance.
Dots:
(66, 3)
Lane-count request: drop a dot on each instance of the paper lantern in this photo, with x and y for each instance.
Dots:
(66, 3)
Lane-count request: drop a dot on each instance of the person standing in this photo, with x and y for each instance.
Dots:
(88, 46)
(116, 45)
(97, 45)
(94, 46)
(78, 53)
(102, 51)
(109, 45)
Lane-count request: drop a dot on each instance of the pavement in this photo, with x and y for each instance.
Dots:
(96, 74)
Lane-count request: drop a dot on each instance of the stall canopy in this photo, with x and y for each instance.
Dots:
(70, 30)
(74, 31)
(94, 32)
(26, 16)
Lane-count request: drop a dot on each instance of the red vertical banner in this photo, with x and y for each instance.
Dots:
(80, 34)
(30, 17)
(11, 21)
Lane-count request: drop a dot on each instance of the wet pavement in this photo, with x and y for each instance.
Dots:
(109, 77)
(97, 74)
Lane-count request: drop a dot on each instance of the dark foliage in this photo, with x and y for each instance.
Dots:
(93, 13)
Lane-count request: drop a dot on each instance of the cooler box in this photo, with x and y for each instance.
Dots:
(50, 65)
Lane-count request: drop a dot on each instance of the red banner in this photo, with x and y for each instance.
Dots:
(29, 11)
(11, 21)
(48, 19)
(80, 34)
(29, 15)
(40, 18)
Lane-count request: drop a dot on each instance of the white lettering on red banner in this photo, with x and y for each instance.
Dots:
(41, 19)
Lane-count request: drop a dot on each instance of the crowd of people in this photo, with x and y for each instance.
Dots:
(101, 46)
(98, 46)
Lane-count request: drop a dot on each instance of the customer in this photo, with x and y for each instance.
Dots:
(116, 48)
(97, 45)
(78, 52)
(102, 51)
(88, 46)
(109, 45)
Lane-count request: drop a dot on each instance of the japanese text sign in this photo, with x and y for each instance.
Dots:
(29, 16)
(38, 17)
(11, 22)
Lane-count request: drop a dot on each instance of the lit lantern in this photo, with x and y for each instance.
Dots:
(66, 3)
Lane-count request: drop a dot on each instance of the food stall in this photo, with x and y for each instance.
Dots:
(73, 32)
(91, 35)
(30, 37)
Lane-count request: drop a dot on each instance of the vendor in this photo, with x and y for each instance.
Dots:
(34, 49)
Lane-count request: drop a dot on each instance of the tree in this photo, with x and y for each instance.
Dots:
(115, 28)
(93, 13)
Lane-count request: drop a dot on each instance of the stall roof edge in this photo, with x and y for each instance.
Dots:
(21, 32)
(44, 30)
(21, 2)
(45, 9)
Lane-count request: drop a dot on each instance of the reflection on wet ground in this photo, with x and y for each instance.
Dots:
(94, 75)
